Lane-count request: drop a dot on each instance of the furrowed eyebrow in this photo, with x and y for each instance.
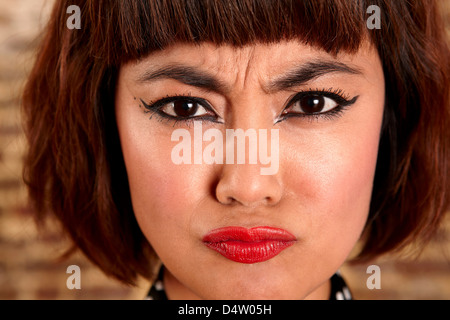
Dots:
(307, 72)
(185, 74)
(293, 78)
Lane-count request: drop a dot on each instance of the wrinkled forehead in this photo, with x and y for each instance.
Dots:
(274, 66)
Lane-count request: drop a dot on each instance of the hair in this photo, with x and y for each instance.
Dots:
(74, 168)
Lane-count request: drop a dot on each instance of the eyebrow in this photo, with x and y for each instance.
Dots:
(185, 74)
(296, 77)
(310, 71)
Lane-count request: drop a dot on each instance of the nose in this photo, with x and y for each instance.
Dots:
(246, 184)
(243, 184)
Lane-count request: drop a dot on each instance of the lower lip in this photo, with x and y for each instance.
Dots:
(248, 245)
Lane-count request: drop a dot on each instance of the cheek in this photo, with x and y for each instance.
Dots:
(346, 175)
(332, 180)
(158, 187)
(164, 195)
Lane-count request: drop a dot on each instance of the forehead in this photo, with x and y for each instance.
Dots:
(258, 61)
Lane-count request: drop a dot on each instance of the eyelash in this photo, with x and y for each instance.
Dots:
(154, 109)
(337, 95)
(342, 100)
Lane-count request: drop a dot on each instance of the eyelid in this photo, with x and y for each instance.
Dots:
(160, 103)
(156, 107)
(325, 109)
(171, 105)
(343, 101)
(337, 95)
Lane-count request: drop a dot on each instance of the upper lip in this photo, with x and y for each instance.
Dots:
(255, 234)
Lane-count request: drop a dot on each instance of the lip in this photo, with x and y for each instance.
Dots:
(245, 245)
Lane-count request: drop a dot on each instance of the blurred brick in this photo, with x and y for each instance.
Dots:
(9, 184)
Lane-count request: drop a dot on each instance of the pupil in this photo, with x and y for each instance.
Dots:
(312, 104)
(185, 108)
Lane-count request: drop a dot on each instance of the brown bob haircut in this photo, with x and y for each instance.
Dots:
(74, 167)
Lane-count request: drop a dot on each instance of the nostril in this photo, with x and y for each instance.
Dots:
(247, 195)
(243, 184)
(228, 201)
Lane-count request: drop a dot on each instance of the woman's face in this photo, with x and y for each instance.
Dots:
(223, 227)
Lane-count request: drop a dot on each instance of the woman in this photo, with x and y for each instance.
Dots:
(350, 123)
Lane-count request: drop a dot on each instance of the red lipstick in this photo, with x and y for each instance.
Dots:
(248, 245)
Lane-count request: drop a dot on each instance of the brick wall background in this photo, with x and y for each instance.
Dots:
(29, 265)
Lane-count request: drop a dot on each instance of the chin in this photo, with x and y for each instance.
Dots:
(251, 290)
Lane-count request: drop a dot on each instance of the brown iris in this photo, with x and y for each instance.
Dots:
(312, 103)
(185, 108)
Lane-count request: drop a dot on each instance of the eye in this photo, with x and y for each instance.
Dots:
(311, 104)
(184, 108)
(317, 104)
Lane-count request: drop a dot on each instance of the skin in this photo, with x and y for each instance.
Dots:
(320, 194)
